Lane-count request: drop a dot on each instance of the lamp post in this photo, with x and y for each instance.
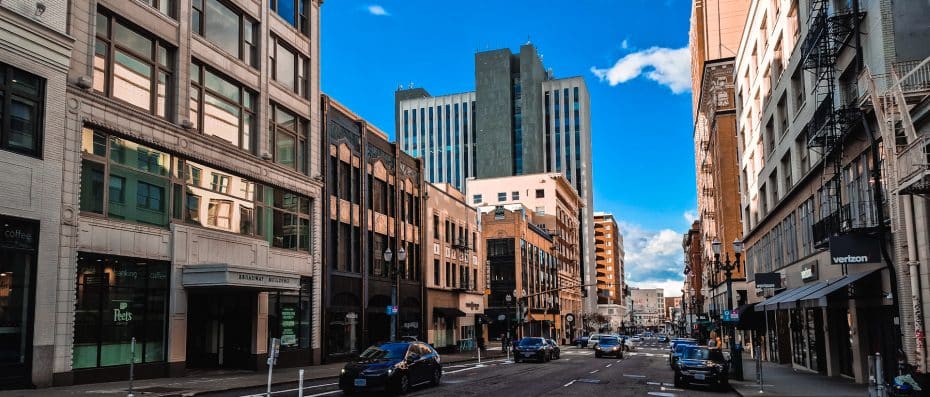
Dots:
(728, 267)
(401, 257)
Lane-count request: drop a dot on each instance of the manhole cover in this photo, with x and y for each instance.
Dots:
(592, 381)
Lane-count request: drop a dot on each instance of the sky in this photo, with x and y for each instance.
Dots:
(632, 53)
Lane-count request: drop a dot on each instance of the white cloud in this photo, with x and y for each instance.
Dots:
(653, 258)
(375, 9)
(690, 216)
(624, 44)
(666, 66)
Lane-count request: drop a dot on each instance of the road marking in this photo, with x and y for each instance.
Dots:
(292, 390)
(661, 394)
(568, 359)
(654, 383)
(618, 361)
(461, 370)
(634, 376)
(568, 384)
(667, 384)
(608, 365)
(593, 372)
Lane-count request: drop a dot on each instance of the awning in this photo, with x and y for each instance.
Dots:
(819, 298)
(792, 301)
(789, 295)
(225, 275)
(448, 312)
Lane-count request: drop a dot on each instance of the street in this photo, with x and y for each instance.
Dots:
(644, 371)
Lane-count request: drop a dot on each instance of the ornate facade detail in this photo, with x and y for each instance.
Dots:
(374, 153)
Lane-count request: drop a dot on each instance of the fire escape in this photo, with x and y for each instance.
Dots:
(833, 118)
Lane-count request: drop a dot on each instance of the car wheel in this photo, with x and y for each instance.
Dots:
(403, 384)
(597, 355)
(678, 382)
(348, 391)
(437, 376)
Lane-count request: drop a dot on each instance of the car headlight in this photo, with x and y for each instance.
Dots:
(390, 371)
(343, 372)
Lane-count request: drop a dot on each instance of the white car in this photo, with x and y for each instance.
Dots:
(636, 338)
(592, 340)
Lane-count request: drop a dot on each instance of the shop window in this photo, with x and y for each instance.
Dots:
(131, 66)
(18, 243)
(21, 112)
(226, 27)
(289, 315)
(221, 107)
(119, 298)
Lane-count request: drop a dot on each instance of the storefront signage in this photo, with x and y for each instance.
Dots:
(235, 276)
(121, 314)
(809, 271)
(854, 248)
(288, 326)
(18, 234)
(768, 280)
(473, 306)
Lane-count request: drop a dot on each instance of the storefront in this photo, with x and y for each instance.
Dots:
(119, 299)
(18, 244)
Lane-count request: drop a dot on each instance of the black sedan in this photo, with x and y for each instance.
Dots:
(702, 366)
(532, 348)
(608, 346)
(554, 351)
(394, 367)
(581, 341)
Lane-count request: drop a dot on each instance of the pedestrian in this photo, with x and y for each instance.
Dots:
(713, 341)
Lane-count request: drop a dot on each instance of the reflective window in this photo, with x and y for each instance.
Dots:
(289, 67)
(21, 97)
(289, 139)
(294, 12)
(222, 108)
(166, 7)
(131, 66)
(226, 27)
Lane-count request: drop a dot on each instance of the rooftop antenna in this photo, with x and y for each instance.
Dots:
(411, 84)
(528, 41)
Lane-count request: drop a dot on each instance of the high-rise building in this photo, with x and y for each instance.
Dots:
(523, 121)
(163, 170)
(608, 246)
(716, 26)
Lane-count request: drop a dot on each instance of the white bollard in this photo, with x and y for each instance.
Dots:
(300, 383)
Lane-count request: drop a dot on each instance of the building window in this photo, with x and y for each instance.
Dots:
(21, 112)
(477, 199)
(288, 67)
(514, 196)
(294, 12)
(436, 275)
(132, 67)
(167, 7)
(227, 28)
(540, 193)
(502, 196)
(288, 137)
(222, 108)
(119, 298)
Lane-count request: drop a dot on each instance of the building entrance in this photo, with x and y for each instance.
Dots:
(219, 329)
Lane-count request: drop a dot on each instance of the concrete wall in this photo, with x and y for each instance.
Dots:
(494, 104)
(532, 74)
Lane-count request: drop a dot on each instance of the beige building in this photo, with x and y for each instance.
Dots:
(455, 271)
(35, 53)
(648, 308)
(555, 205)
(189, 208)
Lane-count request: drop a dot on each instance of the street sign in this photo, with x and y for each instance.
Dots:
(726, 315)
(730, 316)
(392, 310)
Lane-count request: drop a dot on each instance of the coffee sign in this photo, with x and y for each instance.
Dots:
(853, 249)
(18, 234)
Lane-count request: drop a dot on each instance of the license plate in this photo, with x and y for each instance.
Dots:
(361, 382)
(528, 354)
(699, 376)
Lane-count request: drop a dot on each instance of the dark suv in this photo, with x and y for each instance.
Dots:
(703, 366)
(393, 366)
(532, 348)
(608, 346)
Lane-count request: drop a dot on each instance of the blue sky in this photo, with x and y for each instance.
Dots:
(631, 53)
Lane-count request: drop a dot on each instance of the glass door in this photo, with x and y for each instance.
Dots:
(15, 323)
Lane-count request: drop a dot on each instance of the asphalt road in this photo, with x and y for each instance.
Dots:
(644, 372)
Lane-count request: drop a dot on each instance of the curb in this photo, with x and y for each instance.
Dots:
(322, 377)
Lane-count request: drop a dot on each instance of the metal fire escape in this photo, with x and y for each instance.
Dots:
(833, 118)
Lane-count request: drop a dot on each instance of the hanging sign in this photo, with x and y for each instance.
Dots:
(854, 249)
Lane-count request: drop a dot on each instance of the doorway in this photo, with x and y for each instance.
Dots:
(219, 329)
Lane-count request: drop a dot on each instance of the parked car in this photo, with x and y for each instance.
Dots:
(581, 341)
(532, 348)
(554, 351)
(675, 341)
(677, 351)
(637, 338)
(608, 345)
(627, 343)
(702, 366)
(662, 339)
(592, 340)
(394, 367)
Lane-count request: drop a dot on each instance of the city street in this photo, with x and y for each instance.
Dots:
(642, 372)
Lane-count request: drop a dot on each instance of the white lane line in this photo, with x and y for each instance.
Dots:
(325, 393)
(460, 370)
(667, 384)
(634, 376)
(292, 390)
(569, 383)
(654, 383)
(568, 359)
(594, 372)
(608, 365)
(618, 361)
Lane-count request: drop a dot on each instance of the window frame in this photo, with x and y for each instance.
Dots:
(244, 92)
(301, 15)
(301, 66)
(248, 49)
(7, 93)
(301, 138)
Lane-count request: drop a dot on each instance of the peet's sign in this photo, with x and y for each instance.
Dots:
(854, 248)
(121, 314)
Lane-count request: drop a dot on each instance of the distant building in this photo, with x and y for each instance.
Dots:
(608, 248)
(648, 309)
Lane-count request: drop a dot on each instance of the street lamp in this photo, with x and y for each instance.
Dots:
(728, 267)
(401, 257)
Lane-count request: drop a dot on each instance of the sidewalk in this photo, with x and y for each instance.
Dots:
(200, 382)
(782, 380)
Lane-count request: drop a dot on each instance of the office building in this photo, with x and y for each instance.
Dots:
(648, 308)
(522, 121)
(375, 206)
(608, 245)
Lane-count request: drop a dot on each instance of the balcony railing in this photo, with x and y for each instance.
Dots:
(830, 225)
(914, 166)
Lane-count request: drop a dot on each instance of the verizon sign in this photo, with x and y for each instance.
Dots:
(854, 248)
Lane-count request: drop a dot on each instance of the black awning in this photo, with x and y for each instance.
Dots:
(819, 298)
(748, 318)
(448, 312)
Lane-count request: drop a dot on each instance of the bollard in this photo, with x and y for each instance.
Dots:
(300, 383)
(132, 364)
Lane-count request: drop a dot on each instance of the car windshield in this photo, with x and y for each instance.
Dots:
(389, 351)
(701, 353)
(680, 348)
(531, 341)
(608, 340)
